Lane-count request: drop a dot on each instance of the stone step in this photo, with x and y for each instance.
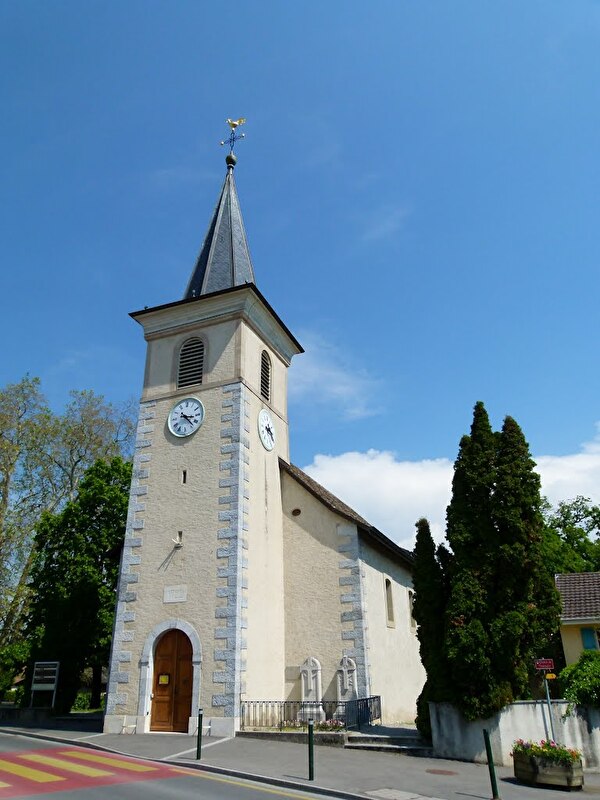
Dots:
(406, 739)
(422, 750)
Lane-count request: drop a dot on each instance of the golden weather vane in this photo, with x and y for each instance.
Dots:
(234, 136)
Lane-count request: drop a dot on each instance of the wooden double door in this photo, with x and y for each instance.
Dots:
(173, 681)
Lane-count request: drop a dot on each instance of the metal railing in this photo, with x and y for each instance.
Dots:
(293, 715)
(363, 711)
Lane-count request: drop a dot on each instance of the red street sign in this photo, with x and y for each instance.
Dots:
(544, 663)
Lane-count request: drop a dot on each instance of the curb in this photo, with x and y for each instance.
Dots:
(232, 773)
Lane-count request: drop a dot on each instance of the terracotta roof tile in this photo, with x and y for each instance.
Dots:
(580, 594)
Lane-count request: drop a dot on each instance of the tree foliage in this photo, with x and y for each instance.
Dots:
(580, 682)
(501, 603)
(75, 571)
(572, 536)
(43, 456)
(428, 610)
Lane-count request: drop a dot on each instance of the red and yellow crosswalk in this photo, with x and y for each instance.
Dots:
(31, 772)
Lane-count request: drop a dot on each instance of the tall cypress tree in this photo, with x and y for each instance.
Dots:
(428, 610)
(470, 534)
(469, 525)
(526, 604)
(502, 602)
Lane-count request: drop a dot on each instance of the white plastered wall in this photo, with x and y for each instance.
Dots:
(264, 654)
(396, 670)
(313, 592)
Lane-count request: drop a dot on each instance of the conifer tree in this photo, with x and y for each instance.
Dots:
(502, 601)
(470, 534)
(468, 517)
(526, 604)
(428, 611)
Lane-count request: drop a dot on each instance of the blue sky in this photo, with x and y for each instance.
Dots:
(419, 184)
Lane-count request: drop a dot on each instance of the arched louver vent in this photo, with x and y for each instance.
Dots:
(265, 375)
(191, 363)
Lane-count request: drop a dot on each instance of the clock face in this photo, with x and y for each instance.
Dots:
(266, 429)
(186, 417)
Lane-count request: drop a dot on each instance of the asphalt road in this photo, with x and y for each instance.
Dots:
(70, 772)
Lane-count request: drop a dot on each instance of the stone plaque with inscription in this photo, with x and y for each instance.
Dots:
(175, 594)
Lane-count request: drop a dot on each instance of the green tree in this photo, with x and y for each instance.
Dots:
(23, 431)
(580, 682)
(526, 607)
(43, 456)
(502, 602)
(470, 534)
(571, 538)
(469, 525)
(74, 572)
(428, 610)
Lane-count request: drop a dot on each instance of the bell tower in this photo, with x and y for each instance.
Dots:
(199, 619)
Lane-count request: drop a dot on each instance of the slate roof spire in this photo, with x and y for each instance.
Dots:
(224, 259)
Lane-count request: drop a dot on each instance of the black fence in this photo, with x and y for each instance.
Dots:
(291, 715)
(363, 711)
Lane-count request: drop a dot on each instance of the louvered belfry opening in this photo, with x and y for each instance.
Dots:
(191, 363)
(265, 375)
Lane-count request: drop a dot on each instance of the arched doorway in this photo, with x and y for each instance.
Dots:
(172, 689)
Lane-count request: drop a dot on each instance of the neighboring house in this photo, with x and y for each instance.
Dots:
(580, 617)
(242, 579)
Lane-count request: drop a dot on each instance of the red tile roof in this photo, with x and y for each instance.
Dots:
(580, 594)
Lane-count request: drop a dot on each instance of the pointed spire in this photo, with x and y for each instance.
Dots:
(224, 259)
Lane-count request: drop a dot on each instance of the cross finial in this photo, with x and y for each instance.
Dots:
(234, 136)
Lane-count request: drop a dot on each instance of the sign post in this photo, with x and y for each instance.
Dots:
(546, 665)
(45, 679)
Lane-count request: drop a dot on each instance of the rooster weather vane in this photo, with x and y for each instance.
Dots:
(234, 124)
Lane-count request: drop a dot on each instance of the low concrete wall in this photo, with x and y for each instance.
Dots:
(26, 715)
(332, 738)
(454, 737)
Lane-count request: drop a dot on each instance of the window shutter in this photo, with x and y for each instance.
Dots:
(191, 363)
(588, 637)
(265, 375)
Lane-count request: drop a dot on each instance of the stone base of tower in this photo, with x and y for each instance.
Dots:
(211, 726)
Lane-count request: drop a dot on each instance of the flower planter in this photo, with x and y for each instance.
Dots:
(540, 771)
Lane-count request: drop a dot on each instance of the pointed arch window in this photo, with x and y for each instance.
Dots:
(265, 375)
(191, 363)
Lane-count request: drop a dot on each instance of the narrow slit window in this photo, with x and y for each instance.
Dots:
(265, 375)
(389, 603)
(184, 475)
(191, 363)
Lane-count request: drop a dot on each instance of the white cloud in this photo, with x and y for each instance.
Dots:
(565, 477)
(325, 375)
(390, 494)
(393, 494)
(384, 224)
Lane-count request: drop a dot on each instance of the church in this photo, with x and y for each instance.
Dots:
(241, 578)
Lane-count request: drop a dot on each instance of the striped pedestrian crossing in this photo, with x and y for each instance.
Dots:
(32, 772)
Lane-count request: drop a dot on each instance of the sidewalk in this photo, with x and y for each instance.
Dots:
(344, 773)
